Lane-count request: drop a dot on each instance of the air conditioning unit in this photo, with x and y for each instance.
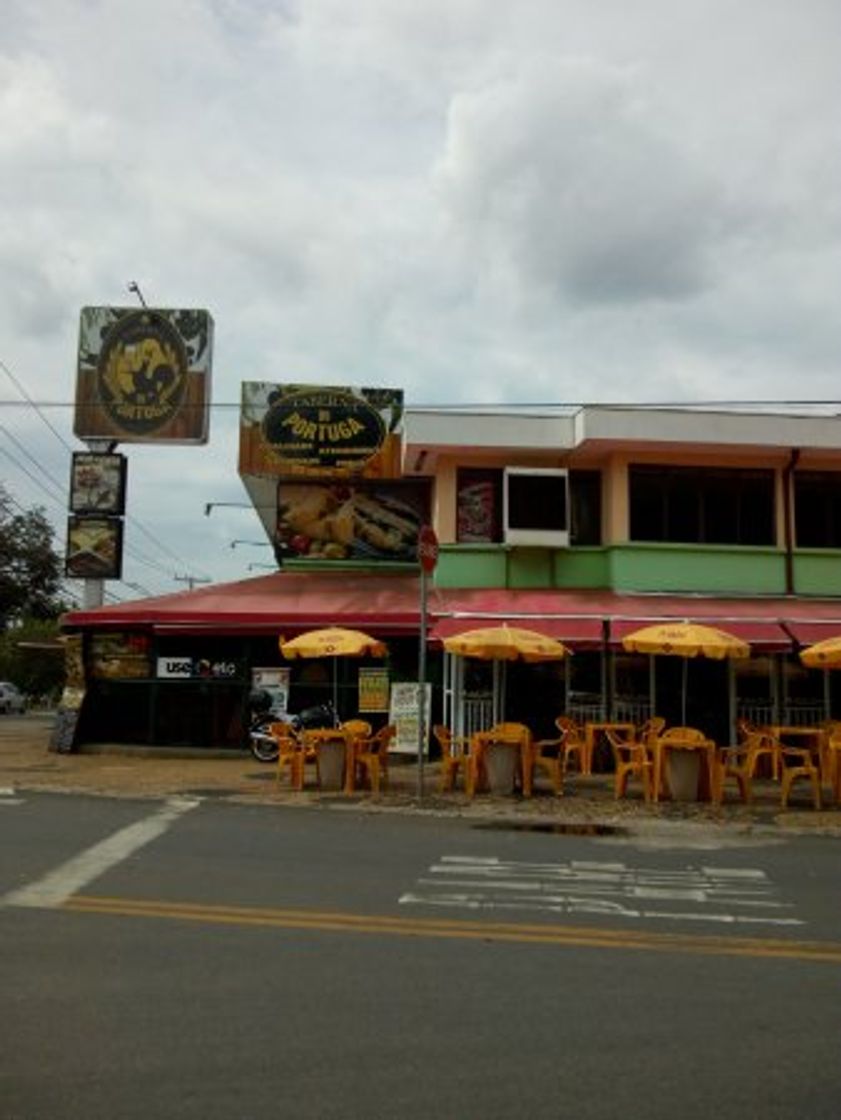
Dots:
(535, 507)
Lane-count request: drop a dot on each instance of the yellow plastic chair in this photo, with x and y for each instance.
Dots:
(455, 757)
(553, 755)
(796, 763)
(574, 741)
(631, 760)
(740, 764)
(832, 764)
(290, 753)
(370, 757)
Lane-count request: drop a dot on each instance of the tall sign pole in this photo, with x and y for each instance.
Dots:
(427, 558)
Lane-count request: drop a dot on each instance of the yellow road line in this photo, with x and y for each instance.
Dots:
(522, 933)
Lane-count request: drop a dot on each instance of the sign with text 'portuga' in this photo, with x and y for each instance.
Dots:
(320, 431)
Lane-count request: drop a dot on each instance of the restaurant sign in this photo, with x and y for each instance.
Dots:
(322, 431)
(143, 375)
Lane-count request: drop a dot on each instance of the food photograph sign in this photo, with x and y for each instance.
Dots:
(98, 483)
(320, 431)
(341, 521)
(94, 548)
(143, 375)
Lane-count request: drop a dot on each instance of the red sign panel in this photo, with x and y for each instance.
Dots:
(427, 548)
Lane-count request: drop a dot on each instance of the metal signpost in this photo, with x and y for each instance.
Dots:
(427, 558)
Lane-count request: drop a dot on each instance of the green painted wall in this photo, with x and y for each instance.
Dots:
(817, 572)
(706, 568)
(638, 567)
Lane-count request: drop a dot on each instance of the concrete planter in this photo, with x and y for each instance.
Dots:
(684, 768)
(331, 765)
(501, 766)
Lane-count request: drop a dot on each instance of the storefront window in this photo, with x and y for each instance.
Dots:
(709, 506)
(817, 509)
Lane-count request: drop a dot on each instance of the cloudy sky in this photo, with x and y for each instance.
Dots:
(546, 201)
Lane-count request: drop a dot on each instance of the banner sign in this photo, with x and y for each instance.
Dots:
(317, 520)
(94, 548)
(320, 431)
(373, 690)
(97, 483)
(192, 668)
(143, 375)
(405, 715)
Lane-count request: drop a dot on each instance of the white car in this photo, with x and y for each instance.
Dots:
(11, 700)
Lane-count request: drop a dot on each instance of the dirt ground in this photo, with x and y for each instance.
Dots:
(26, 763)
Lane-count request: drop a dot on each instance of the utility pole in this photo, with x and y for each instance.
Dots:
(191, 581)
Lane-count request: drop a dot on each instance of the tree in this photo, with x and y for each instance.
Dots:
(32, 657)
(30, 568)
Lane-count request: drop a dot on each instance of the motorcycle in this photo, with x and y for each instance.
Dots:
(263, 744)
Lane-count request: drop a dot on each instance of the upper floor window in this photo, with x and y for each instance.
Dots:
(817, 509)
(479, 505)
(701, 505)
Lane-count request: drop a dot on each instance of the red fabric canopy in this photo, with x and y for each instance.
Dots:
(290, 602)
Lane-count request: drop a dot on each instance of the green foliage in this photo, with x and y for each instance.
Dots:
(30, 568)
(28, 659)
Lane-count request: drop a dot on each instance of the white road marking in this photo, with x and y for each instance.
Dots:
(7, 797)
(741, 895)
(65, 880)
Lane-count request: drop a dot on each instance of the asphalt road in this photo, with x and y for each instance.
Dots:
(186, 959)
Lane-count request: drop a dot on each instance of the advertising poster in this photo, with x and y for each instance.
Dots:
(177, 667)
(320, 431)
(404, 714)
(94, 548)
(373, 690)
(339, 521)
(143, 375)
(120, 656)
(275, 681)
(98, 483)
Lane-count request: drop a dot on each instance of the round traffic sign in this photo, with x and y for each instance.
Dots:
(427, 548)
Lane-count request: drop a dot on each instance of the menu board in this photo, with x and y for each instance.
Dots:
(405, 715)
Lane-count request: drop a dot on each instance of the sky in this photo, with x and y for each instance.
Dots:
(550, 201)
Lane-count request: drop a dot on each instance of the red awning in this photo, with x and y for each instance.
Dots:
(807, 633)
(287, 601)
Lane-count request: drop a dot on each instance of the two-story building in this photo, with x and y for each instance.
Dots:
(582, 522)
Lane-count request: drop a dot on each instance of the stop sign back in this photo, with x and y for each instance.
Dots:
(427, 548)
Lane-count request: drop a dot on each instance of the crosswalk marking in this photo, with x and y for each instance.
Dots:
(722, 895)
(60, 884)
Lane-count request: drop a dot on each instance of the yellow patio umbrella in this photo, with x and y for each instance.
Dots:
(823, 655)
(505, 643)
(685, 639)
(333, 641)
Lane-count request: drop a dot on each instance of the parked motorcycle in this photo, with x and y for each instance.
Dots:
(263, 745)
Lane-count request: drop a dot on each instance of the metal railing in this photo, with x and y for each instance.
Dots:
(803, 715)
(631, 709)
(478, 714)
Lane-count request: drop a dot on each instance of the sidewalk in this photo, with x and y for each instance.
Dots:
(26, 763)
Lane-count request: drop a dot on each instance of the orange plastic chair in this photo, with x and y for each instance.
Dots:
(797, 762)
(740, 764)
(455, 757)
(574, 740)
(370, 756)
(832, 763)
(290, 753)
(631, 760)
